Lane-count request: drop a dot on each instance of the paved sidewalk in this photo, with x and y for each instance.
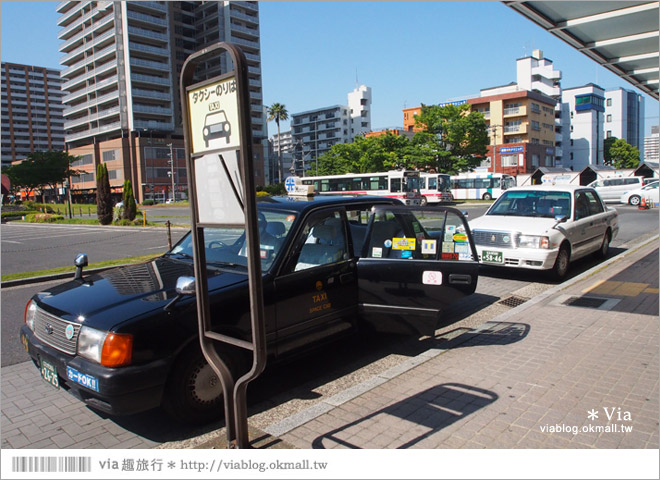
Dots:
(548, 374)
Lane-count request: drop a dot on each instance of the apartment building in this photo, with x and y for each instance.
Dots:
(624, 117)
(32, 119)
(652, 145)
(584, 108)
(122, 62)
(286, 149)
(521, 126)
(314, 132)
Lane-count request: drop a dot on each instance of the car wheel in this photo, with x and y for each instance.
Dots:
(487, 196)
(424, 201)
(634, 200)
(193, 394)
(605, 246)
(560, 267)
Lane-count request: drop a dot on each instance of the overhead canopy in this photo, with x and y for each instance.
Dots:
(621, 36)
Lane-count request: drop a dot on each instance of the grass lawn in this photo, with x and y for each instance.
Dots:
(53, 271)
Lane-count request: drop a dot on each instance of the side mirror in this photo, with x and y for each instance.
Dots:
(561, 218)
(80, 262)
(465, 213)
(185, 286)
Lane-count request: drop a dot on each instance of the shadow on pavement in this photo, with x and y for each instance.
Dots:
(498, 333)
(434, 409)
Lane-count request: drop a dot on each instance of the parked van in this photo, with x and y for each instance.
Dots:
(611, 189)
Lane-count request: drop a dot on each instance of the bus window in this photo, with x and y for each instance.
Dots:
(433, 183)
(395, 184)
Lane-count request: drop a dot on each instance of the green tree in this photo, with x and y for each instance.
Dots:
(623, 155)
(607, 144)
(103, 198)
(42, 169)
(277, 112)
(453, 139)
(128, 199)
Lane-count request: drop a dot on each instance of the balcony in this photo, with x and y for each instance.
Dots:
(97, 71)
(152, 94)
(138, 62)
(141, 32)
(140, 47)
(150, 19)
(153, 125)
(138, 108)
(93, 131)
(149, 79)
(514, 129)
(514, 111)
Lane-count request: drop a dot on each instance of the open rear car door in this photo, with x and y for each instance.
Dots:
(415, 261)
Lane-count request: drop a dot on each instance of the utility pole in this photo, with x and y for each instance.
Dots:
(172, 171)
(493, 129)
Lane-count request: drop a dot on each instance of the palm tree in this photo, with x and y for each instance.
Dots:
(277, 112)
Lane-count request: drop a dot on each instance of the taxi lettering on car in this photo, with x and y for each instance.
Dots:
(126, 340)
(544, 227)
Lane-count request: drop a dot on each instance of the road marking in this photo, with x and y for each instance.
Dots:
(154, 248)
(11, 241)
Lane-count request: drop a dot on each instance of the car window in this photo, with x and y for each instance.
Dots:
(418, 234)
(532, 203)
(321, 242)
(595, 206)
(227, 245)
(582, 209)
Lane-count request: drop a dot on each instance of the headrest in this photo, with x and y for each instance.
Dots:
(276, 228)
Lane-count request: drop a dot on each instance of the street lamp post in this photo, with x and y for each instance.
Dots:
(172, 171)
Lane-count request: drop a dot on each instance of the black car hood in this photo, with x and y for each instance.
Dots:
(105, 299)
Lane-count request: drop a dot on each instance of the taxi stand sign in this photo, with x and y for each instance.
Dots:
(218, 139)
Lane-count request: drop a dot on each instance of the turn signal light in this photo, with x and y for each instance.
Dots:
(117, 350)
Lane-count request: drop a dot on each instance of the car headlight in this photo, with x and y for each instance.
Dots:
(108, 349)
(533, 241)
(30, 314)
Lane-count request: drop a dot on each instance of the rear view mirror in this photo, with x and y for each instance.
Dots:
(80, 262)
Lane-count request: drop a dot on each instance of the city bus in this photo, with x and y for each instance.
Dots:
(401, 184)
(435, 188)
(480, 185)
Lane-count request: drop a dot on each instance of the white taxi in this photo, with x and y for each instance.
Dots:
(544, 227)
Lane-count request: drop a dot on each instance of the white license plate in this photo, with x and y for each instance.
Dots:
(49, 373)
(489, 256)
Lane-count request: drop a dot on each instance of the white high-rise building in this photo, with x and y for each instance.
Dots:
(121, 66)
(624, 117)
(652, 145)
(584, 107)
(314, 132)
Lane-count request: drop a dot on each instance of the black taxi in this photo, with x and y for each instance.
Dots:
(124, 341)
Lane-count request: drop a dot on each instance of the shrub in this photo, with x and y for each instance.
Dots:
(43, 218)
(103, 197)
(148, 202)
(262, 194)
(129, 201)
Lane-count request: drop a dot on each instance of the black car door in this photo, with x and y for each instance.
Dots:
(315, 292)
(415, 261)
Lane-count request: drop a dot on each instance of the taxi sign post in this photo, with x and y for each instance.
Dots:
(219, 161)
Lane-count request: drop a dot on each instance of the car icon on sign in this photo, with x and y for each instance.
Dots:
(216, 125)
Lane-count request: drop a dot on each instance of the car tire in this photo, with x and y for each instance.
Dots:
(634, 200)
(193, 394)
(560, 268)
(486, 196)
(605, 246)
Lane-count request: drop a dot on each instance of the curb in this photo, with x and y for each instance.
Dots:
(300, 418)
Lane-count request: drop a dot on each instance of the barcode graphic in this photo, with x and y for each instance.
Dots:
(51, 464)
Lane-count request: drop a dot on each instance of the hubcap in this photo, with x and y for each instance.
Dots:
(204, 384)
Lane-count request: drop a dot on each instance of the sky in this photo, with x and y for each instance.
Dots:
(314, 53)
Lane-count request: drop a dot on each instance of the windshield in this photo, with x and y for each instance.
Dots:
(532, 203)
(226, 246)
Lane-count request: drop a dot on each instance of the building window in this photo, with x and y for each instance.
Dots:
(109, 156)
(509, 160)
(609, 102)
(536, 125)
(609, 133)
(536, 108)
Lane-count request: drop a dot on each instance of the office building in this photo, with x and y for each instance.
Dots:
(32, 107)
(122, 62)
(584, 107)
(624, 117)
(314, 132)
(652, 145)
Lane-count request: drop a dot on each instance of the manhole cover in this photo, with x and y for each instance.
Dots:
(588, 302)
(512, 301)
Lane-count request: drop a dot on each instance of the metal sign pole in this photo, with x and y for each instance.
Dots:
(218, 140)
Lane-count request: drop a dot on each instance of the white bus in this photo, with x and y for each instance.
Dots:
(401, 184)
(480, 186)
(435, 188)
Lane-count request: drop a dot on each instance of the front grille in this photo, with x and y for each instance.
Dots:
(490, 238)
(52, 330)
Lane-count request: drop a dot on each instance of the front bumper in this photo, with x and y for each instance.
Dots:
(121, 391)
(532, 258)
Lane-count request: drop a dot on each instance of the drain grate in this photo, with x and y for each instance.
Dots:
(512, 301)
(587, 302)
